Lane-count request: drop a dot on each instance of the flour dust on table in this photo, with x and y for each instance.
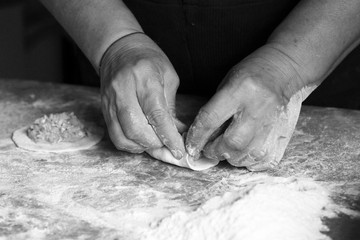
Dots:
(276, 208)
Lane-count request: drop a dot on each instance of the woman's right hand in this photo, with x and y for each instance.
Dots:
(138, 90)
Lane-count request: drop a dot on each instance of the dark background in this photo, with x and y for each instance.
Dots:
(34, 46)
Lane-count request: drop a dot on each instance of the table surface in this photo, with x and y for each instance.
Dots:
(88, 194)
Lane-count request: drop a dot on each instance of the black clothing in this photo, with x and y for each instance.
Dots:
(205, 38)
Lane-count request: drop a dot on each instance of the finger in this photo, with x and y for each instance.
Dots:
(135, 125)
(137, 129)
(210, 149)
(235, 158)
(154, 106)
(219, 131)
(268, 147)
(238, 136)
(171, 85)
(232, 144)
(210, 117)
(181, 127)
(117, 135)
(256, 152)
(215, 150)
(235, 138)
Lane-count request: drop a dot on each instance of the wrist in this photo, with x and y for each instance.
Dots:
(109, 49)
(286, 74)
(127, 51)
(97, 51)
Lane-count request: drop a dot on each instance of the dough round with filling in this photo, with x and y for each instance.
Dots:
(89, 135)
(187, 161)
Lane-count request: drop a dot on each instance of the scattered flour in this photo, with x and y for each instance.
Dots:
(276, 209)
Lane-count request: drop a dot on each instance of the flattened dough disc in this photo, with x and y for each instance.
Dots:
(165, 155)
(94, 136)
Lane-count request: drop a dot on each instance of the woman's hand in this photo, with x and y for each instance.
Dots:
(259, 100)
(138, 89)
(251, 118)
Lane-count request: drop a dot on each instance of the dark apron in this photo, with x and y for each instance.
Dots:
(205, 38)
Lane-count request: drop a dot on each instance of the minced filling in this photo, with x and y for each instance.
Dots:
(55, 128)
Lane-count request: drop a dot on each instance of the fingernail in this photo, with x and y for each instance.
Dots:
(181, 127)
(241, 162)
(225, 155)
(177, 154)
(257, 154)
(191, 150)
(259, 167)
(196, 156)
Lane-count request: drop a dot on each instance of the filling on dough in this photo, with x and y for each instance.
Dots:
(55, 128)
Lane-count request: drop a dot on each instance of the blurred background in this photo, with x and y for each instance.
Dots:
(34, 46)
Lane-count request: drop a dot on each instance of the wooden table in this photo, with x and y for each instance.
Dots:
(87, 194)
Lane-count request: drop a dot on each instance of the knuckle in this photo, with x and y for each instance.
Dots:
(117, 86)
(234, 142)
(145, 65)
(257, 154)
(134, 133)
(157, 117)
(113, 85)
(208, 119)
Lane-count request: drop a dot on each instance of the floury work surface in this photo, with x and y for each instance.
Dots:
(103, 193)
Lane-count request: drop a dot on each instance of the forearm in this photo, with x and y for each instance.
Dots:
(316, 37)
(93, 24)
